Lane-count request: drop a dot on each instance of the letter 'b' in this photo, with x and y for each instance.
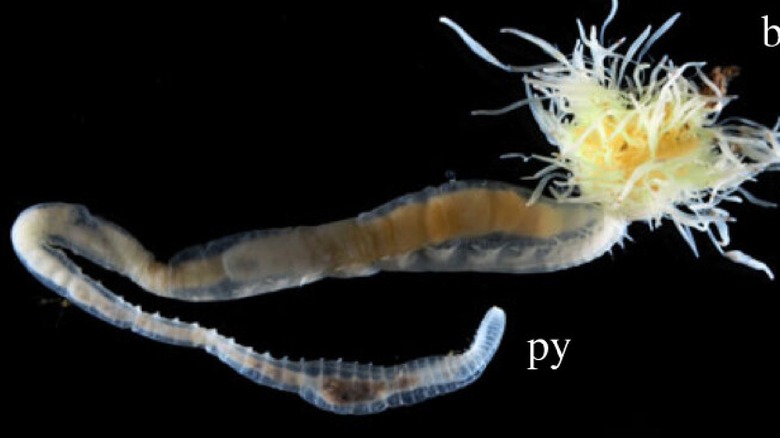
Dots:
(772, 27)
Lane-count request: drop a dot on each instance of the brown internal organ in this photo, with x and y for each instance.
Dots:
(347, 391)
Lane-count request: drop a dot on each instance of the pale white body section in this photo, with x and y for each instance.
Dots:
(233, 268)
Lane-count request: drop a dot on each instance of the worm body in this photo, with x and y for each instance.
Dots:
(477, 226)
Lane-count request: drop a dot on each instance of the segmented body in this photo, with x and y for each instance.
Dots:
(477, 226)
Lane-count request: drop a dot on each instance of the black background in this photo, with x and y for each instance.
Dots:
(187, 124)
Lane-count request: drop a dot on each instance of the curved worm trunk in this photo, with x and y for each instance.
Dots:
(476, 226)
